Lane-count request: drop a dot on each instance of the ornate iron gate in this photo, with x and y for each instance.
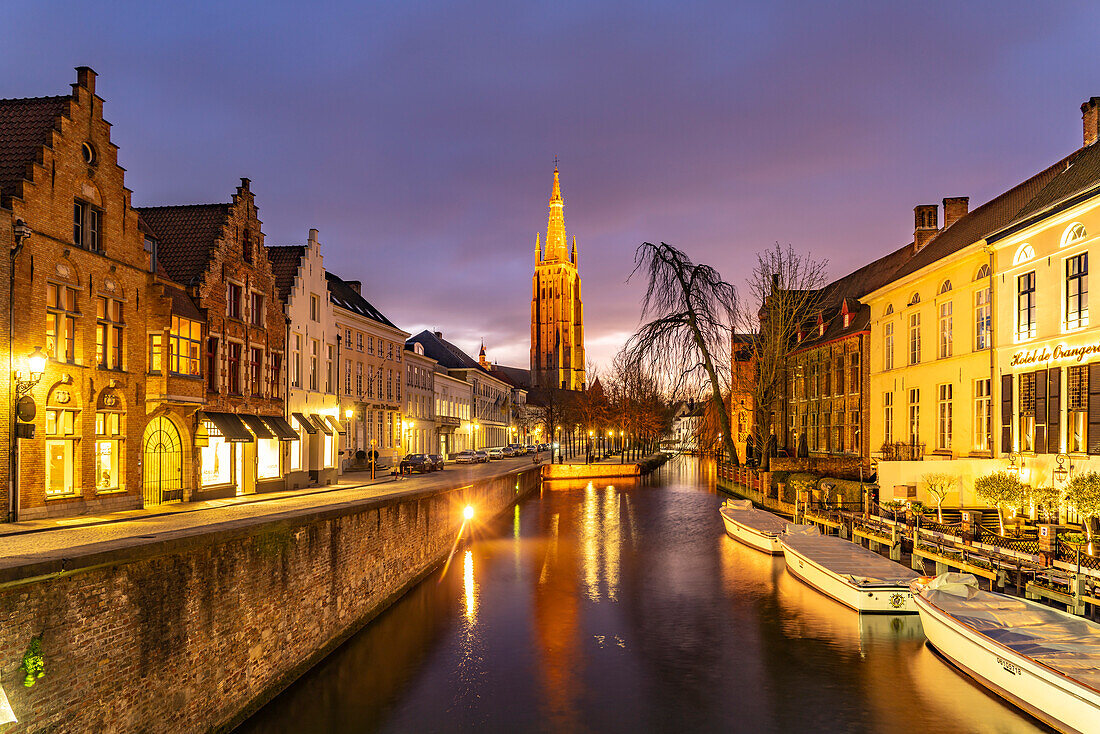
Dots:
(162, 463)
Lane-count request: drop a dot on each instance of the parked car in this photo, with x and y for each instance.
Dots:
(508, 451)
(495, 453)
(467, 457)
(436, 461)
(482, 457)
(415, 463)
(531, 448)
(544, 447)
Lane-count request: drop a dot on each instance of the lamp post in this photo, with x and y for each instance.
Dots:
(348, 413)
(588, 449)
(23, 408)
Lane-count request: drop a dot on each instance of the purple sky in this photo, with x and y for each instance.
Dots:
(419, 138)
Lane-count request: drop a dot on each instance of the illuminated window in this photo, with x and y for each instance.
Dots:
(108, 449)
(1077, 404)
(983, 320)
(156, 352)
(914, 415)
(888, 347)
(184, 345)
(947, 322)
(1025, 306)
(1074, 233)
(1077, 291)
(60, 448)
(61, 313)
(944, 413)
(983, 415)
(217, 457)
(267, 458)
(888, 417)
(108, 335)
(1027, 412)
(914, 338)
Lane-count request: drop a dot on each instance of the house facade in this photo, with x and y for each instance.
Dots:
(419, 421)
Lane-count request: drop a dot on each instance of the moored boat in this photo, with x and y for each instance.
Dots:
(755, 528)
(1043, 660)
(851, 574)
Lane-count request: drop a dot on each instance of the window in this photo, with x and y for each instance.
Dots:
(233, 367)
(983, 320)
(314, 307)
(1077, 291)
(86, 224)
(314, 363)
(888, 347)
(267, 458)
(944, 413)
(256, 371)
(888, 417)
(1077, 404)
(1025, 306)
(914, 299)
(853, 372)
(212, 364)
(328, 368)
(347, 377)
(983, 272)
(184, 345)
(826, 430)
(370, 345)
(60, 452)
(853, 444)
(217, 457)
(946, 328)
(389, 385)
(359, 341)
(983, 415)
(1074, 233)
(827, 377)
(1027, 412)
(246, 245)
(296, 363)
(945, 287)
(914, 415)
(156, 352)
(108, 449)
(257, 309)
(839, 374)
(87, 152)
(914, 338)
(61, 313)
(275, 380)
(233, 301)
(359, 378)
(1025, 253)
(108, 334)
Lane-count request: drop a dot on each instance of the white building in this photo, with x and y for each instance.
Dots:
(453, 397)
(419, 424)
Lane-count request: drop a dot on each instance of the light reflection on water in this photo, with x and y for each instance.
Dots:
(625, 608)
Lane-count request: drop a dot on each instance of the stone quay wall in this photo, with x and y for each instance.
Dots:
(194, 632)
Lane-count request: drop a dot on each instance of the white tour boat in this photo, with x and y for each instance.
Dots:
(851, 574)
(755, 528)
(1043, 660)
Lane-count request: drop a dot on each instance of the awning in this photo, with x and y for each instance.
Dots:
(321, 423)
(336, 424)
(281, 428)
(305, 423)
(230, 426)
(256, 423)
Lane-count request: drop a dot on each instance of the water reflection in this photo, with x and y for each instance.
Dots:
(624, 608)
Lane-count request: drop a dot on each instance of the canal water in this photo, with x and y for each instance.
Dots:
(623, 607)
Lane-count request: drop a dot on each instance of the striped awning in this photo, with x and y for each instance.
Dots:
(256, 424)
(281, 428)
(321, 423)
(229, 425)
(305, 423)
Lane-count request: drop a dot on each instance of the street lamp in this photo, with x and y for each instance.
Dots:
(36, 367)
(348, 413)
(24, 409)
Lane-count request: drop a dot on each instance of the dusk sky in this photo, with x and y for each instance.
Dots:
(419, 138)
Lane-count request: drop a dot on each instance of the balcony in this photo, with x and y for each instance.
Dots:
(901, 451)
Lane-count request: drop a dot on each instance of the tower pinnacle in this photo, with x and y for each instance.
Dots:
(555, 226)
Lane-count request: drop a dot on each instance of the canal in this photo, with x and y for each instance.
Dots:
(623, 607)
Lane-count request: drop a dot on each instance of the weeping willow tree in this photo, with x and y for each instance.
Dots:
(689, 313)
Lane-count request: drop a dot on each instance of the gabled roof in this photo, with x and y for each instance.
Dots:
(343, 295)
(833, 319)
(186, 236)
(518, 376)
(445, 353)
(285, 261)
(869, 278)
(1081, 173)
(25, 126)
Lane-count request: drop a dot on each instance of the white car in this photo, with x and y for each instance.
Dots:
(466, 457)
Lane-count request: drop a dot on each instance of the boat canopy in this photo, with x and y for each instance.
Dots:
(759, 520)
(1067, 643)
(843, 557)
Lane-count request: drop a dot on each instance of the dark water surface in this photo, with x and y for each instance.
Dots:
(625, 608)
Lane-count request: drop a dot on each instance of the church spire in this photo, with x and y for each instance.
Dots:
(538, 248)
(555, 227)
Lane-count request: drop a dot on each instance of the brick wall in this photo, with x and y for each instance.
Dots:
(838, 467)
(192, 633)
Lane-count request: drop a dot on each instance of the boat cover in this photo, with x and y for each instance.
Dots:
(1062, 641)
(759, 520)
(862, 567)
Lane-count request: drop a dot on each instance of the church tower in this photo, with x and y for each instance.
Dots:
(557, 316)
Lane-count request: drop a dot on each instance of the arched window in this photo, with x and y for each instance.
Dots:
(914, 299)
(1074, 233)
(62, 421)
(889, 309)
(1025, 253)
(945, 287)
(983, 272)
(109, 437)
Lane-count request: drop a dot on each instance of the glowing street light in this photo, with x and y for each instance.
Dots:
(468, 512)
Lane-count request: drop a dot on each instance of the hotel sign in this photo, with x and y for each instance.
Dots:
(1060, 353)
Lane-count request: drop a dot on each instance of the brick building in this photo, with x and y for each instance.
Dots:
(82, 281)
(216, 253)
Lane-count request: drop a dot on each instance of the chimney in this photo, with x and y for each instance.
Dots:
(245, 182)
(439, 335)
(355, 285)
(954, 209)
(313, 235)
(85, 78)
(925, 225)
(1089, 112)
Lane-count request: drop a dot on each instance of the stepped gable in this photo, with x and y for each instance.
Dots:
(285, 261)
(186, 235)
(26, 127)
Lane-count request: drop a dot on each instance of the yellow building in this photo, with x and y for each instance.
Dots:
(557, 315)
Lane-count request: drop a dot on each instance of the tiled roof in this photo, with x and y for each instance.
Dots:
(834, 326)
(1080, 173)
(25, 126)
(344, 296)
(182, 304)
(185, 236)
(516, 375)
(285, 261)
(869, 278)
(444, 352)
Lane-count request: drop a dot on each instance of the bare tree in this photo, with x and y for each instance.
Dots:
(786, 287)
(939, 484)
(687, 340)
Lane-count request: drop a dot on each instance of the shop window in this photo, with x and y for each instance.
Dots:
(217, 458)
(1077, 405)
(296, 449)
(108, 444)
(330, 450)
(108, 335)
(60, 447)
(1027, 412)
(61, 315)
(267, 458)
(1077, 291)
(184, 347)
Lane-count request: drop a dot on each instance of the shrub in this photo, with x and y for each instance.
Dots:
(1083, 492)
(1001, 490)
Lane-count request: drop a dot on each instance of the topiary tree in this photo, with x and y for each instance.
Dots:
(1083, 492)
(1046, 499)
(1001, 490)
(939, 484)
